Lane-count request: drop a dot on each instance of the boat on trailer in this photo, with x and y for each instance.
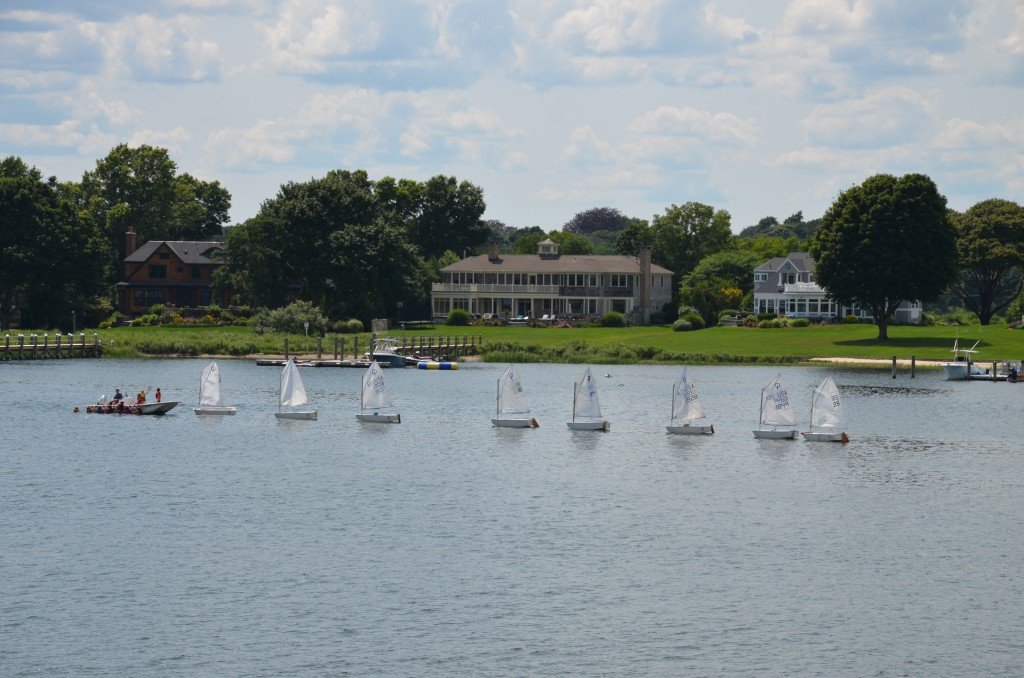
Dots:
(776, 412)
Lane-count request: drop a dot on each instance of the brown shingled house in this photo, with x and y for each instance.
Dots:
(553, 285)
(175, 273)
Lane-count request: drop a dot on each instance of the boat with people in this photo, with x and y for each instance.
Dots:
(776, 419)
(511, 408)
(586, 407)
(688, 416)
(375, 397)
(211, 399)
(122, 406)
(828, 422)
(292, 394)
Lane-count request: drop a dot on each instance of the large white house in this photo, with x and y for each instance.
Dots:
(786, 286)
(554, 285)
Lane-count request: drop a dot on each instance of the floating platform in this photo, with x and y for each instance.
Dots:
(361, 364)
(437, 365)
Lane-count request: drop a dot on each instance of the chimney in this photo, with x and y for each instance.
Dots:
(492, 250)
(645, 284)
(129, 241)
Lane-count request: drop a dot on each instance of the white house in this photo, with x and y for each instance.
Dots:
(786, 286)
(551, 284)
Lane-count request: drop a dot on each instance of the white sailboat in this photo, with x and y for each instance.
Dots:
(828, 423)
(292, 394)
(776, 412)
(512, 410)
(211, 400)
(586, 408)
(376, 397)
(687, 410)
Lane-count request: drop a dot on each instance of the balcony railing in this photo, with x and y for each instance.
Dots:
(480, 288)
(803, 288)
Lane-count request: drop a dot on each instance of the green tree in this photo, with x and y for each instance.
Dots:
(685, 234)
(634, 237)
(990, 245)
(885, 241)
(767, 247)
(736, 267)
(449, 217)
(568, 243)
(597, 219)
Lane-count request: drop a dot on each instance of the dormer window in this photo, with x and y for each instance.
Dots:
(547, 247)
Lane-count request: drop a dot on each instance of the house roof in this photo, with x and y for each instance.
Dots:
(189, 251)
(801, 260)
(566, 263)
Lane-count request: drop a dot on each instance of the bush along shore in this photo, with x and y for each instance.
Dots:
(639, 345)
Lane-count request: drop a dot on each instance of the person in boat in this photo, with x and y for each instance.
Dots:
(158, 396)
(117, 395)
(141, 398)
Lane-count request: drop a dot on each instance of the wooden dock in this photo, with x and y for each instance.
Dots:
(50, 347)
(446, 347)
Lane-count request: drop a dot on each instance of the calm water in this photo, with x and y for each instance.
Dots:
(142, 546)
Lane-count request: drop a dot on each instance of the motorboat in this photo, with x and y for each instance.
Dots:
(963, 367)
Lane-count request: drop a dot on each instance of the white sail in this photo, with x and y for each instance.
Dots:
(209, 387)
(585, 402)
(776, 409)
(826, 407)
(511, 398)
(375, 389)
(293, 393)
(685, 404)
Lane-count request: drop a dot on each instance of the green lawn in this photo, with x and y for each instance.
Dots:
(600, 344)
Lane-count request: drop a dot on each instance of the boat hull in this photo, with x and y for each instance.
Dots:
(588, 425)
(211, 409)
(158, 408)
(391, 359)
(685, 429)
(769, 434)
(825, 437)
(296, 415)
(515, 423)
(393, 418)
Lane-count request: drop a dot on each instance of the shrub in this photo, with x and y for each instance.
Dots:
(157, 309)
(798, 322)
(851, 319)
(766, 316)
(213, 310)
(242, 311)
(773, 323)
(290, 319)
(354, 326)
(728, 313)
(694, 318)
(459, 317)
(105, 325)
(750, 320)
(613, 319)
(682, 326)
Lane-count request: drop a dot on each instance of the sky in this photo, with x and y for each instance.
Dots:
(758, 107)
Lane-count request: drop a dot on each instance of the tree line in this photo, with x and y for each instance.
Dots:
(357, 247)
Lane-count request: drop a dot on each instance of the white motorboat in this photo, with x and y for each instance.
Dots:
(211, 400)
(586, 408)
(158, 408)
(512, 410)
(292, 394)
(962, 366)
(385, 350)
(776, 412)
(828, 422)
(375, 397)
(688, 416)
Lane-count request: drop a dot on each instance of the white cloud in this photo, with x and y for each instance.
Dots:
(173, 140)
(147, 47)
(890, 116)
(687, 121)
(67, 134)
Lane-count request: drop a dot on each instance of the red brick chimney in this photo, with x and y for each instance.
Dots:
(129, 241)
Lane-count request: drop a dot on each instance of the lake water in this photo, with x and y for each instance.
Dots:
(179, 545)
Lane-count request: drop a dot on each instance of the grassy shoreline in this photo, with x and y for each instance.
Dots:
(631, 345)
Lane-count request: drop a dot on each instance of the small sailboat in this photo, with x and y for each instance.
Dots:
(376, 397)
(687, 412)
(828, 423)
(586, 408)
(292, 394)
(512, 401)
(211, 400)
(776, 412)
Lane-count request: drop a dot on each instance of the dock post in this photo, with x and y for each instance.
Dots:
(286, 349)
(58, 345)
(913, 365)
(95, 345)
(83, 344)
(46, 344)
(894, 367)
(994, 372)
(355, 347)
(319, 348)
(336, 346)
(21, 346)
(35, 346)
(7, 347)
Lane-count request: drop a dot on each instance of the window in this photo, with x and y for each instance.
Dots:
(157, 271)
(149, 297)
(618, 305)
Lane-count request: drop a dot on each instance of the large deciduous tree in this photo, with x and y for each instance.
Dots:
(883, 242)
(990, 246)
(448, 217)
(685, 234)
(597, 219)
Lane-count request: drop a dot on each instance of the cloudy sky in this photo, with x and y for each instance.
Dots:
(759, 107)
